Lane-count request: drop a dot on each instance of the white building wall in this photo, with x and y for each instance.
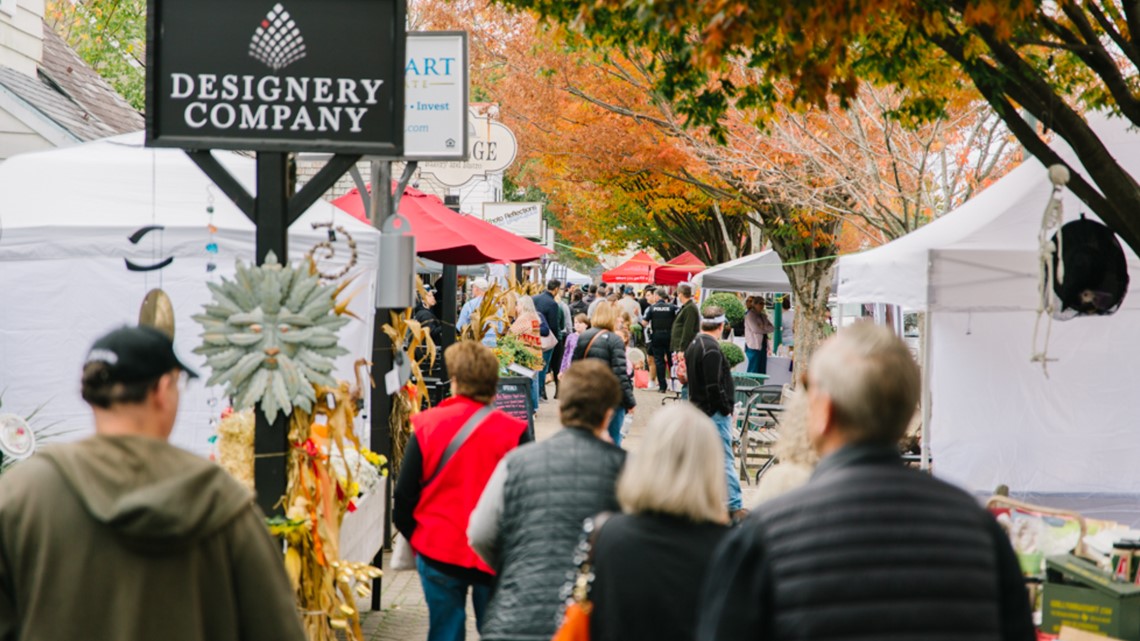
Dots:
(21, 34)
(18, 138)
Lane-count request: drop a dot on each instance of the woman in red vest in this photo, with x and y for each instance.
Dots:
(436, 493)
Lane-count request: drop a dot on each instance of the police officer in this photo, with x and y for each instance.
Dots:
(660, 316)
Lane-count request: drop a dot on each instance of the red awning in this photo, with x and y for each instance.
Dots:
(678, 270)
(447, 237)
(638, 269)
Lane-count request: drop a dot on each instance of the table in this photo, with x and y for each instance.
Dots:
(362, 531)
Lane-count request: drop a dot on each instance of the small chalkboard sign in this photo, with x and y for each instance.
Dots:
(514, 398)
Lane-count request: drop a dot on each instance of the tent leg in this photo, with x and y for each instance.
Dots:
(927, 372)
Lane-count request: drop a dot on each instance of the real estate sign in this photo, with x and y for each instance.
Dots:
(435, 90)
(276, 75)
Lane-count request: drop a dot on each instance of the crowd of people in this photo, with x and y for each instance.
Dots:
(123, 536)
(845, 555)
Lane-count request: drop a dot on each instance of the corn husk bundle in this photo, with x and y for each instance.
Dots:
(491, 312)
(234, 446)
(316, 501)
(408, 336)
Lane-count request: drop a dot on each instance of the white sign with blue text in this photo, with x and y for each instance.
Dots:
(435, 93)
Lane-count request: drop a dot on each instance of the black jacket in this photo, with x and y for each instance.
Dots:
(609, 348)
(649, 569)
(868, 549)
(580, 307)
(427, 319)
(710, 378)
(661, 316)
(545, 304)
(686, 326)
(551, 488)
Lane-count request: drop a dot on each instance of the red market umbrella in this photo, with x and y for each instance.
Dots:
(638, 269)
(441, 234)
(678, 270)
(502, 244)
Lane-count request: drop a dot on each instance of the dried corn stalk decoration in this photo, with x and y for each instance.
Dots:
(408, 336)
(235, 445)
(271, 334)
(490, 314)
(317, 500)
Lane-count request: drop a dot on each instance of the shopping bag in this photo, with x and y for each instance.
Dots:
(403, 557)
(641, 378)
(575, 624)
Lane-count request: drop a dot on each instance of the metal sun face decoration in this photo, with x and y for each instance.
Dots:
(17, 441)
(269, 335)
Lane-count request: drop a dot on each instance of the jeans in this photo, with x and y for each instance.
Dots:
(615, 425)
(540, 387)
(724, 428)
(757, 360)
(446, 598)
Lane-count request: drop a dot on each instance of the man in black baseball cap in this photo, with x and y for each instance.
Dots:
(126, 509)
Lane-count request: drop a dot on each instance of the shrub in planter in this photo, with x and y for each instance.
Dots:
(731, 304)
(732, 352)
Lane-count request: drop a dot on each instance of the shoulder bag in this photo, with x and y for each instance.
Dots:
(403, 557)
(576, 619)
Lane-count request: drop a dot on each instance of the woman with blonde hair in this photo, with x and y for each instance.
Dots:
(649, 562)
(602, 341)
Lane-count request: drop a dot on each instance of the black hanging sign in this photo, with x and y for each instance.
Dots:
(276, 75)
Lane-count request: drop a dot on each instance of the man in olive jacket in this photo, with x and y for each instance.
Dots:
(527, 523)
(124, 537)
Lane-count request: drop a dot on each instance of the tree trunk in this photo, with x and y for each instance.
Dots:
(811, 284)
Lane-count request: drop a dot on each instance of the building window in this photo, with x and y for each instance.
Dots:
(8, 7)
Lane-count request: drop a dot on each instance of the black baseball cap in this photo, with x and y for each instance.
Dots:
(136, 354)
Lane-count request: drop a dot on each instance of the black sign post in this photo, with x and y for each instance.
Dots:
(275, 77)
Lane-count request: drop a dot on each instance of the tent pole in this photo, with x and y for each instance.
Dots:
(927, 370)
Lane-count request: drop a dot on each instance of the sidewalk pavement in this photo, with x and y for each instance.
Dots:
(403, 614)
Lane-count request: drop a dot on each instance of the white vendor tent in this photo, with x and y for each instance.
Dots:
(755, 273)
(1069, 438)
(65, 219)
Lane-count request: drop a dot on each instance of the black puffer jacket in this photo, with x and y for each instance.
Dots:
(551, 488)
(868, 549)
(609, 348)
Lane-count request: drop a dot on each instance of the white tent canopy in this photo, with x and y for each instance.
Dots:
(757, 273)
(1069, 438)
(65, 219)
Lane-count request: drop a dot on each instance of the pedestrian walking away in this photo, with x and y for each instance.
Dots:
(527, 521)
(546, 304)
(602, 342)
(123, 536)
(686, 325)
(711, 389)
(868, 549)
(660, 315)
(436, 493)
(649, 563)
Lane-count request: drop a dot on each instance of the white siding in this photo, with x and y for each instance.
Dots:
(18, 138)
(21, 36)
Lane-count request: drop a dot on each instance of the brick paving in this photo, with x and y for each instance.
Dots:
(403, 614)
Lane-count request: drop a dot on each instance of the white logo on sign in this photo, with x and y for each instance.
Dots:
(277, 43)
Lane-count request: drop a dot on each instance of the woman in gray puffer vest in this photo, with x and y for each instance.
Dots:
(528, 520)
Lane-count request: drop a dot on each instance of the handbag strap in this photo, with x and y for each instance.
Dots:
(586, 353)
(458, 440)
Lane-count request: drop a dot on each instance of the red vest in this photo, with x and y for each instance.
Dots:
(445, 506)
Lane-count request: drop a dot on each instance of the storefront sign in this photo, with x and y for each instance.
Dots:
(491, 149)
(435, 88)
(269, 75)
(524, 219)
